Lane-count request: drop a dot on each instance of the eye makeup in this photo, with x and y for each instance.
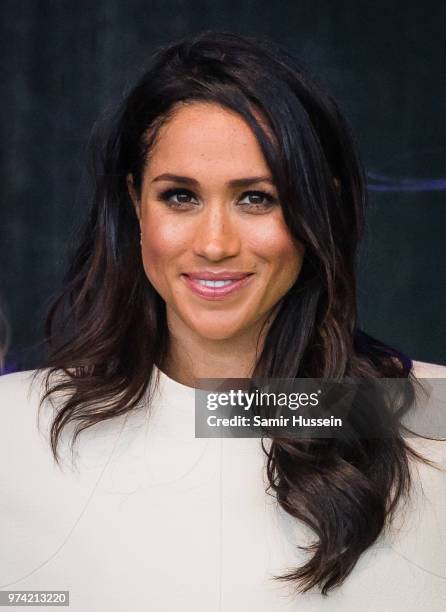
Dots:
(269, 200)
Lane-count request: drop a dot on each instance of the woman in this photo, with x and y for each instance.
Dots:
(221, 243)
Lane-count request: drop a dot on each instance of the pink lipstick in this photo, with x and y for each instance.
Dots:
(216, 286)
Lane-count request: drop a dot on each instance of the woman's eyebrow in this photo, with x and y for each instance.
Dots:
(239, 182)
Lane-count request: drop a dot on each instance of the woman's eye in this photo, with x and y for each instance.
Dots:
(184, 198)
(258, 200)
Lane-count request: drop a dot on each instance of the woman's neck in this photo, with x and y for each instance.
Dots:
(191, 357)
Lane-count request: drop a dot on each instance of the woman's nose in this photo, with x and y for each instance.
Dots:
(216, 233)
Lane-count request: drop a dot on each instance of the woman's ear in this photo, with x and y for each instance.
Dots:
(132, 194)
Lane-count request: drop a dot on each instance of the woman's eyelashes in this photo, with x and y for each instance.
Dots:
(256, 200)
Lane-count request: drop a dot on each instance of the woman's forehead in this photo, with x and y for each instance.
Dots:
(207, 138)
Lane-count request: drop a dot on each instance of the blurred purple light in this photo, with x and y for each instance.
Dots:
(379, 182)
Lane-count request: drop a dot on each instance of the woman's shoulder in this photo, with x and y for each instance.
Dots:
(20, 394)
(433, 446)
(422, 369)
(19, 389)
(24, 433)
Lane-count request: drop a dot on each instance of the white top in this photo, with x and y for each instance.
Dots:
(156, 519)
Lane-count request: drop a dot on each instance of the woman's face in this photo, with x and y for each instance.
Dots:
(214, 242)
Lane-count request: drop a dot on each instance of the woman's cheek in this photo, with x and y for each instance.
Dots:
(273, 243)
(162, 243)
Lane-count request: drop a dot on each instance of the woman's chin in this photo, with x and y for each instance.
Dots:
(218, 332)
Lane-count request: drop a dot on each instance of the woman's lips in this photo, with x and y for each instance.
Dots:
(215, 293)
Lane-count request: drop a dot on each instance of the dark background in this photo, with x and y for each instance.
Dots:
(63, 62)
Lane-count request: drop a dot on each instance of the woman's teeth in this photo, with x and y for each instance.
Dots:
(219, 283)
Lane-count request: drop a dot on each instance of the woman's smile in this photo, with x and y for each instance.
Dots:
(217, 286)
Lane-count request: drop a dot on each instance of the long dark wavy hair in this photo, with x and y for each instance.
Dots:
(107, 329)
